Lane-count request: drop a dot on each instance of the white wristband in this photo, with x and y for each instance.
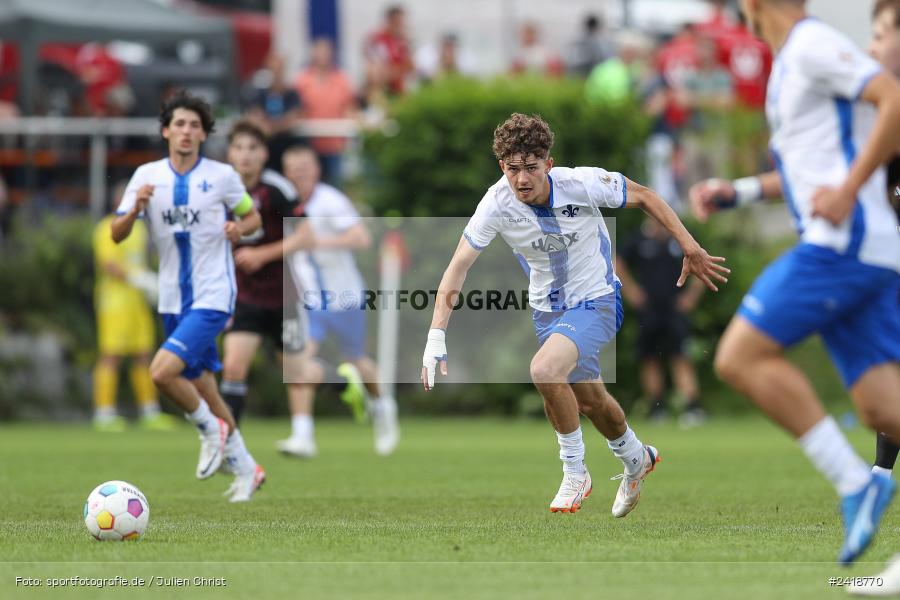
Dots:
(747, 190)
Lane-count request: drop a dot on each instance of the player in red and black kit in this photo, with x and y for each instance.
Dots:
(259, 311)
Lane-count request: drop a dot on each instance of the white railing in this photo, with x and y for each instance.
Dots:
(99, 130)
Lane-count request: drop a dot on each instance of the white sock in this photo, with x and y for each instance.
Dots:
(629, 449)
(571, 451)
(237, 455)
(203, 419)
(832, 455)
(302, 427)
(881, 471)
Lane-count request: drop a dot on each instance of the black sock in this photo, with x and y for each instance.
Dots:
(885, 452)
(693, 404)
(235, 395)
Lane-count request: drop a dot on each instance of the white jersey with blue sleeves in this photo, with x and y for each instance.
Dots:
(564, 246)
(186, 217)
(818, 126)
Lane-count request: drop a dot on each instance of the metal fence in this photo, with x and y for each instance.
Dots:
(32, 130)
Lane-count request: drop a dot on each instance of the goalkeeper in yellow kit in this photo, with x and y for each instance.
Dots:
(125, 327)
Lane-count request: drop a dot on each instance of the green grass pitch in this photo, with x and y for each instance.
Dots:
(460, 511)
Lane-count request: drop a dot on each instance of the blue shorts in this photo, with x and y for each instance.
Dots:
(192, 337)
(853, 306)
(591, 325)
(347, 326)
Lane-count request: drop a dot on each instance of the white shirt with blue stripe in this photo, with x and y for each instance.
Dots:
(186, 217)
(564, 246)
(818, 126)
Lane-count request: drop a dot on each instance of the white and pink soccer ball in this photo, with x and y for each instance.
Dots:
(116, 510)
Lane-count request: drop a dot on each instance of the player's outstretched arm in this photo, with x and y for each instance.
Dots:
(448, 291)
(697, 261)
(712, 195)
(836, 204)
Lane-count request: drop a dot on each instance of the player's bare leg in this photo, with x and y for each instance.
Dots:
(382, 409)
(877, 397)
(303, 373)
(754, 364)
(550, 370)
(239, 349)
(145, 394)
(165, 370)
(597, 404)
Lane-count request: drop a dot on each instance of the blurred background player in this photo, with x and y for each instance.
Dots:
(125, 328)
(649, 264)
(185, 200)
(333, 294)
(259, 258)
(843, 279)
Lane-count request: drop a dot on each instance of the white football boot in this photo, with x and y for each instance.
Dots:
(301, 448)
(212, 450)
(572, 492)
(243, 486)
(889, 578)
(630, 489)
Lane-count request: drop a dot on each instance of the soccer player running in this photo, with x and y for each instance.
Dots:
(185, 200)
(259, 310)
(835, 119)
(549, 216)
(333, 295)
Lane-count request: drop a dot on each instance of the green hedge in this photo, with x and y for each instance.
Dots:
(439, 161)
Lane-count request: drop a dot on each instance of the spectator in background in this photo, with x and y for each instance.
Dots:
(619, 77)
(445, 59)
(533, 56)
(389, 46)
(707, 91)
(275, 105)
(592, 48)
(326, 94)
(125, 328)
(374, 96)
(648, 265)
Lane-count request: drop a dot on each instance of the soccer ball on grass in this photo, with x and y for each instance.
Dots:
(116, 510)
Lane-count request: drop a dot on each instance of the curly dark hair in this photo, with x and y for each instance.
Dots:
(183, 99)
(247, 127)
(523, 134)
(883, 5)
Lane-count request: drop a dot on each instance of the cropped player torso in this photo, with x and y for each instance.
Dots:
(818, 128)
(565, 245)
(275, 200)
(186, 217)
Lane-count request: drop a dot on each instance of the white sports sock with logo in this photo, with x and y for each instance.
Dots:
(629, 449)
(571, 451)
(203, 419)
(237, 455)
(833, 456)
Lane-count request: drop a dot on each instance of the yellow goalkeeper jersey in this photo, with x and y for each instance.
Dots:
(112, 293)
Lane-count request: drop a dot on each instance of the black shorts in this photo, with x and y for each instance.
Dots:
(662, 334)
(286, 329)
